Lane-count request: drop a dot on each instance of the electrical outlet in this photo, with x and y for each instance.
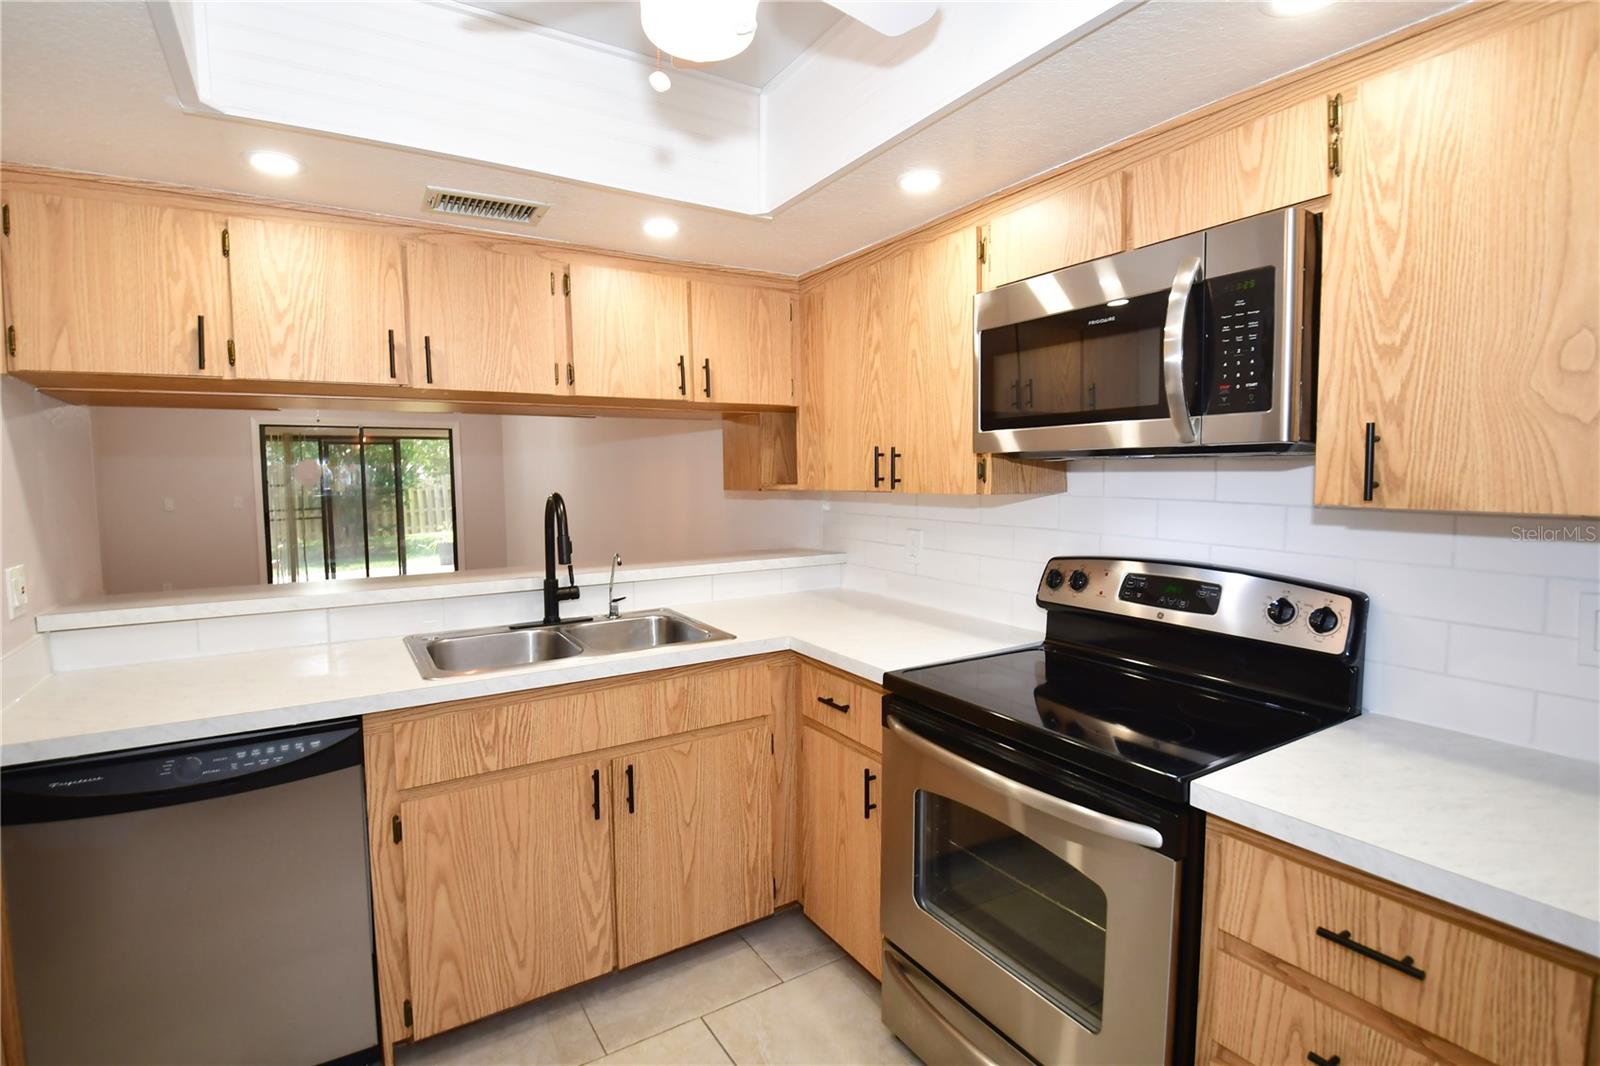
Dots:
(168, 504)
(16, 590)
(913, 542)
(1589, 628)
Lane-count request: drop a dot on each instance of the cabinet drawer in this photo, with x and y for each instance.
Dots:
(482, 736)
(850, 708)
(1481, 988)
(1263, 1020)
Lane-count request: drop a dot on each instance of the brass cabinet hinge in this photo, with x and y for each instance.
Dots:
(5, 219)
(566, 284)
(226, 247)
(11, 341)
(983, 248)
(233, 358)
(394, 825)
(983, 469)
(570, 377)
(405, 1013)
(552, 283)
(1336, 134)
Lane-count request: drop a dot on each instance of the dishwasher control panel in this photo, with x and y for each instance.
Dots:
(130, 774)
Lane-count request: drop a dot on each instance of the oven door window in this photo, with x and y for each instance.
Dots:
(1029, 910)
(1092, 364)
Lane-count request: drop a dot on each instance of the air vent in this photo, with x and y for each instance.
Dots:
(476, 205)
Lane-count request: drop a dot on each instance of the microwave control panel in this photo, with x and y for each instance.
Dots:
(1239, 342)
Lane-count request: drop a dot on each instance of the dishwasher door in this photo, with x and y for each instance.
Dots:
(204, 903)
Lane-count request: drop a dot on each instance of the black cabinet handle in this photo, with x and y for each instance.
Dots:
(828, 701)
(569, 374)
(877, 465)
(1030, 394)
(867, 806)
(1016, 395)
(557, 367)
(1345, 940)
(894, 458)
(391, 353)
(200, 338)
(706, 366)
(596, 777)
(427, 356)
(628, 773)
(1367, 484)
(1313, 1057)
(683, 377)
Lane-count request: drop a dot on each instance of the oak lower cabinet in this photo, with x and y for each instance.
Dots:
(693, 840)
(840, 841)
(508, 892)
(99, 285)
(1303, 957)
(524, 843)
(1461, 324)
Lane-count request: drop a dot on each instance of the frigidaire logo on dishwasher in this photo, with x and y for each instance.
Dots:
(77, 781)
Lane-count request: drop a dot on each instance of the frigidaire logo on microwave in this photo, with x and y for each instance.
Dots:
(71, 782)
(1101, 321)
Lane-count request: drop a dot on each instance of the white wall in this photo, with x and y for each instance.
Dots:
(648, 488)
(47, 503)
(1471, 629)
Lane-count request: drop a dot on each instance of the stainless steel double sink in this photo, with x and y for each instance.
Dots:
(481, 651)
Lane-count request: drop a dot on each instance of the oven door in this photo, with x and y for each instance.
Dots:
(1054, 922)
(1103, 356)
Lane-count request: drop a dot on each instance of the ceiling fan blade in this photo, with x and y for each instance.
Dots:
(889, 19)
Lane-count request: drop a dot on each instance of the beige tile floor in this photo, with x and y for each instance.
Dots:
(778, 991)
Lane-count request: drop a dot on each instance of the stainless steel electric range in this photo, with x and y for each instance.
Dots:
(1041, 863)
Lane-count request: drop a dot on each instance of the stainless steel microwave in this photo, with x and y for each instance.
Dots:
(1198, 344)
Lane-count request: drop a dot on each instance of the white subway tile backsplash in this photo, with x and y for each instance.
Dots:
(957, 567)
(510, 608)
(1035, 512)
(742, 586)
(961, 537)
(1086, 478)
(385, 620)
(1551, 546)
(1324, 568)
(809, 578)
(1494, 711)
(251, 632)
(1019, 576)
(1526, 660)
(1096, 514)
(1404, 640)
(948, 508)
(882, 556)
(1160, 479)
(670, 592)
(1282, 481)
(1563, 603)
(84, 649)
(1567, 726)
(1389, 536)
(1178, 551)
(1508, 601)
(1037, 546)
(1245, 525)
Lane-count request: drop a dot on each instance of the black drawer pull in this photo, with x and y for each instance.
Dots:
(391, 353)
(683, 378)
(200, 338)
(867, 778)
(828, 701)
(1318, 1060)
(707, 367)
(877, 465)
(427, 356)
(1367, 473)
(1345, 940)
(894, 459)
(596, 776)
(629, 774)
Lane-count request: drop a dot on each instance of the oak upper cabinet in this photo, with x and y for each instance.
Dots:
(486, 318)
(693, 840)
(843, 425)
(1459, 309)
(931, 366)
(507, 892)
(106, 286)
(741, 343)
(316, 302)
(1273, 161)
(1067, 226)
(840, 841)
(630, 332)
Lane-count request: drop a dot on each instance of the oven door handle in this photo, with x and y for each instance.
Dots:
(1183, 284)
(1015, 791)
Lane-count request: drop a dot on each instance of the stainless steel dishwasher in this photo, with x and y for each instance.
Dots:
(197, 903)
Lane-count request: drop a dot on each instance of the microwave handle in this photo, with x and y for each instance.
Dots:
(1183, 285)
(1016, 792)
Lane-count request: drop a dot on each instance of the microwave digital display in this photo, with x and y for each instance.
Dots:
(1239, 342)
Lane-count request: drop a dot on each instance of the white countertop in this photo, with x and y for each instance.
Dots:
(144, 608)
(1506, 832)
(89, 711)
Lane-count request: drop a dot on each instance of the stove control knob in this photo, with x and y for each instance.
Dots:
(1078, 581)
(1054, 578)
(1323, 620)
(188, 768)
(1280, 612)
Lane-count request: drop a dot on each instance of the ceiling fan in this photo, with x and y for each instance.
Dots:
(707, 31)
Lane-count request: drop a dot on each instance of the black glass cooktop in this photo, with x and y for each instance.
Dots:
(1140, 728)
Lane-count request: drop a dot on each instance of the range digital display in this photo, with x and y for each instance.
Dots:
(1171, 593)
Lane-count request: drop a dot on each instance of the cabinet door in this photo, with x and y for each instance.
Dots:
(1273, 161)
(840, 842)
(108, 287)
(848, 379)
(317, 303)
(487, 318)
(693, 840)
(630, 330)
(1460, 272)
(741, 345)
(508, 892)
(1068, 226)
(932, 365)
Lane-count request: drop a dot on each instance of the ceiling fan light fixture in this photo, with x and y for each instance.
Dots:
(700, 31)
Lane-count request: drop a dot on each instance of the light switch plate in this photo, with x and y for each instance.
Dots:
(16, 589)
(1589, 628)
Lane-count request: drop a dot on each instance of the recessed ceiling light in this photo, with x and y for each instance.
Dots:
(278, 164)
(1117, 303)
(660, 228)
(1291, 8)
(659, 81)
(917, 182)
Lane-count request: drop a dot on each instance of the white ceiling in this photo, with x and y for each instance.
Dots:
(784, 30)
(86, 86)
